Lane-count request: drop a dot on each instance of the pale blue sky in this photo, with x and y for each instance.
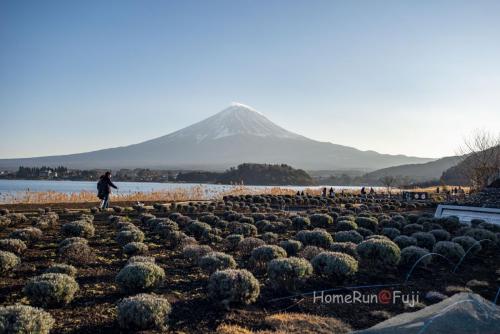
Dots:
(408, 77)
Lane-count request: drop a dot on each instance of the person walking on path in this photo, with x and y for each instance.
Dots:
(104, 189)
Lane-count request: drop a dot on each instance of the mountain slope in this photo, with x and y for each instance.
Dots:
(416, 172)
(235, 135)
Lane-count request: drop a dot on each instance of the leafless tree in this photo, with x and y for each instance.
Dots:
(388, 181)
(480, 156)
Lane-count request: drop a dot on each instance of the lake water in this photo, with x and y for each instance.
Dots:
(12, 187)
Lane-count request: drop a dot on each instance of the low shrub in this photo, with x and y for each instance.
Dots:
(321, 220)
(364, 232)
(247, 245)
(404, 241)
(8, 261)
(197, 229)
(77, 253)
(144, 311)
(300, 223)
(441, 235)
(5, 222)
(348, 248)
(346, 225)
(193, 253)
(270, 237)
(292, 247)
(23, 319)
(391, 232)
(140, 276)
(412, 228)
(333, 265)
(72, 240)
(51, 289)
(348, 236)
(245, 229)
(424, 239)
(28, 234)
(15, 246)
(233, 286)
(410, 255)
(468, 242)
(481, 234)
(317, 237)
(309, 252)
(263, 254)
(232, 241)
(214, 261)
(378, 254)
(132, 235)
(61, 268)
(285, 273)
(369, 223)
(80, 228)
(449, 249)
(135, 248)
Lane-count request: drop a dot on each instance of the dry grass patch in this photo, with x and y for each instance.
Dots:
(302, 323)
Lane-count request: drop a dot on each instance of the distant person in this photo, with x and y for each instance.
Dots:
(323, 192)
(437, 190)
(332, 192)
(104, 189)
(302, 193)
(298, 193)
(372, 191)
(363, 191)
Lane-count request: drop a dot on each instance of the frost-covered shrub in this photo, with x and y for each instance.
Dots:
(481, 234)
(77, 253)
(232, 241)
(370, 223)
(141, 258)
(17, 218)
(132, 235)
(346, 225)
(348, 236)
(348, 248)
(468, 242)
(412, 254)
(61, 268)
(450, 223)
(412, 228)
(198, 228)
(214, 261)
(247, 245)
(233, 286)
(140, 276)
(300, 223)
(180, 239)
(286, 272)
(440, 235)
(15, 246)
(164, 228)
(8, 261)
(364, 232)
(80, 228)
(193, 253)
(424, 239)
(333, 265)
(318, 237)
(404, 241)
(28, 234)
(378, 254)
(23, 319)
(51, 289)
(321, 220)
(263, 254)
(5, 222)
(263, 225)
(449, 249)
(134, 248)
(391, 232)
(143, 311)
(292, 247)
(309, 252)
(244, 229)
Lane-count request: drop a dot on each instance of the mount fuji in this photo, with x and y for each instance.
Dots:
(235, 135)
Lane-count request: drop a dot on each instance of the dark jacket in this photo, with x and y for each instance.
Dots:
(104, 186)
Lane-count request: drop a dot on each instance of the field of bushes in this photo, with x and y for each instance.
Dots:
(243, 264)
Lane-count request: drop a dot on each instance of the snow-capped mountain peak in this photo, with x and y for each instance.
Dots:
(237, 119)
